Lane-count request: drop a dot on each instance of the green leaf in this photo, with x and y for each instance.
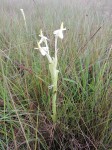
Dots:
(69, 80)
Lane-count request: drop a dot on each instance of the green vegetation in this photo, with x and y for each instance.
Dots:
(84, 96)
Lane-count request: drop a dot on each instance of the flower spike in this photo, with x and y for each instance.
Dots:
(53, 61)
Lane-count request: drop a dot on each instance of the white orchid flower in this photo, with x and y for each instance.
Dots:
(43, 38)
(59, 32)
(44, 51)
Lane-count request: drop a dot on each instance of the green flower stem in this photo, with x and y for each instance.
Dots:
(54, 77)
(54, 96)
(54, 105)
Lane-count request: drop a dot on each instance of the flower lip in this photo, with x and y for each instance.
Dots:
(44, 50)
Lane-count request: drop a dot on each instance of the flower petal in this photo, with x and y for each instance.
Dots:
(56, 32)
(43, 52)
(63, 29)
(60, 35)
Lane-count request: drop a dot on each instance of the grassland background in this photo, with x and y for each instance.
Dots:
(84, 106)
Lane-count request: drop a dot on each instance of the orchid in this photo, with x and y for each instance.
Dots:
(43, 38)
(59, 32)
(44, 50)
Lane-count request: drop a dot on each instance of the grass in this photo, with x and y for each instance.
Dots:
(84, 107)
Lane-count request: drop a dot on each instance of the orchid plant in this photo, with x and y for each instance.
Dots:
(52, 63)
